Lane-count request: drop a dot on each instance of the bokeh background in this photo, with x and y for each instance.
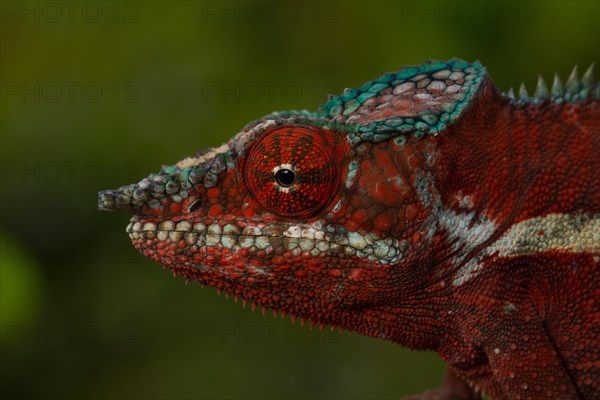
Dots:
(97, 94)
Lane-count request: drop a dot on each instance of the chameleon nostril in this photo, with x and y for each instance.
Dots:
(193, 207)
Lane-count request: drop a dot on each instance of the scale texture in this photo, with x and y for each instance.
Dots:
(424, 207)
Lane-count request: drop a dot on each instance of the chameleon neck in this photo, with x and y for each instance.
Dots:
(450, 218)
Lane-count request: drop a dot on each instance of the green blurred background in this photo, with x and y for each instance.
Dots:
(99, 94)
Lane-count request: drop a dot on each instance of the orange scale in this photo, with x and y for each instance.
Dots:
(215, 210)
(161, 253)
(301, 273)
(334, 272)
(360, 216)
(413, 161)
(381, 193)
(277, 260)
(382, 222)
(213, 192)
(416, 237)
(384, 159)
(411, 211)
(396, 182)
(352, 225)
(408, 150)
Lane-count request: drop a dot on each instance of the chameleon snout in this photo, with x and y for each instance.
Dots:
(169, 192)
(118, 199)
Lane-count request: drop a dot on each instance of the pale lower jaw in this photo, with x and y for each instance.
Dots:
(295, 240)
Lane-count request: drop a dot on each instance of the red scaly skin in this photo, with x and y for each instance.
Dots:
(481, 243)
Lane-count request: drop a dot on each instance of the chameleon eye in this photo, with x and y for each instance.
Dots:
(291, 171)
(285, 176)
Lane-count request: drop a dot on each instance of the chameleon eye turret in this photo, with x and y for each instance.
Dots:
(291, 171)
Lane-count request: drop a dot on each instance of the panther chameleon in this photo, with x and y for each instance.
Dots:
(425, 207)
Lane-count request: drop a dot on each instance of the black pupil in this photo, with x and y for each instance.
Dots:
(285, 177)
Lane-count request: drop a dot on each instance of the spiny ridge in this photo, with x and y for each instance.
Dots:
(282, 314)
(573, 80)
(589, 77)
(541, 91)
(557, 87)
(573, 90)
(511, 93)
(523, 95)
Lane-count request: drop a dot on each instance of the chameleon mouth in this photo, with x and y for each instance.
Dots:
(199, 237)
(192, 234)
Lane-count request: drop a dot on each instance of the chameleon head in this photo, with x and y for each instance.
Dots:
(313, 214)
(262, 218)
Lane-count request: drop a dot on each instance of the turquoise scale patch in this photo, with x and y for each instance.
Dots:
(365, 96)
(406, 73)
(378, 87)
(429, 122)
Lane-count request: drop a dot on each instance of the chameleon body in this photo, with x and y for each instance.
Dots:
(425, 207)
